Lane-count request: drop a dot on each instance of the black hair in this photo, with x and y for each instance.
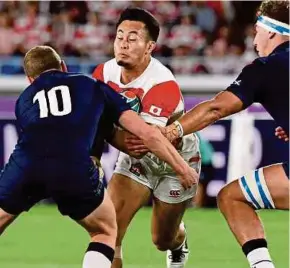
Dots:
(142, 15)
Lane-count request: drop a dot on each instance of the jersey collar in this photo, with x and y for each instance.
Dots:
(282, 47)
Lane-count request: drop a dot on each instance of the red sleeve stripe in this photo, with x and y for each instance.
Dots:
(99, 72)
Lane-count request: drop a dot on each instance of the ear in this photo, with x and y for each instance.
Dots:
(151, 46)
(63, 66)
(30, 79)
(271, 35)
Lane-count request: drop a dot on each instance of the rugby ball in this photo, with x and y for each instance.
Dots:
(133, 100)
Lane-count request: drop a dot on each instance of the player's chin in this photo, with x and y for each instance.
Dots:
(123, 63)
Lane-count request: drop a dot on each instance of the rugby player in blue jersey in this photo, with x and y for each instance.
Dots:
(266, 81)
(59, 115)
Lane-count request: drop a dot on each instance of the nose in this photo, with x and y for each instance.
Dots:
(124, 44)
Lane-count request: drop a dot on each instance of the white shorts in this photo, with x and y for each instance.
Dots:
(158, 175)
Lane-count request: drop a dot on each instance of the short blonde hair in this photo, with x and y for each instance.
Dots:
(40, 59)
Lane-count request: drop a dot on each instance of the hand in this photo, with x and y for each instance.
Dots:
(135, 146)
(170, 132)
(281, 134)
(189, 178)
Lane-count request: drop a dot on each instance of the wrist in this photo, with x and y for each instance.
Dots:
(178, 128)
(182, 168)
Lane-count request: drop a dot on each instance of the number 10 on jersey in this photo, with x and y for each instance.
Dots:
(50, 103)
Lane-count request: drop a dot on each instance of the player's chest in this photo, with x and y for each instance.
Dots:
(138, 90)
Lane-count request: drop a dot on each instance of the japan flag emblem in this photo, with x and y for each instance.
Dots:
(155, 110)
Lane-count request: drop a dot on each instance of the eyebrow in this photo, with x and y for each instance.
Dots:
(134, 32)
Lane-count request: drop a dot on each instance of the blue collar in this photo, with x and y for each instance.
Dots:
(282, 47)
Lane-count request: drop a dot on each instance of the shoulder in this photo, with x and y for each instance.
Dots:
(80, 76)
(104, 70)
(160, 72)
(27, 91)
(268, 61)
(255, 68)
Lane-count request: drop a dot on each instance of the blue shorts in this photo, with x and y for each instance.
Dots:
(285, 165)
(73, 184)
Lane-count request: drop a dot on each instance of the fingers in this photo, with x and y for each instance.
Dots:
(133, 141)
(162, 130)
(187, 184)
(281, 134)
(190, 179)
(137, 148)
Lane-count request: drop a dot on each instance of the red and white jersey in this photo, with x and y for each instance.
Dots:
(156, 87)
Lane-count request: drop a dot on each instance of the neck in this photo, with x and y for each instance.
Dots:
(277, 42)
(128, 75)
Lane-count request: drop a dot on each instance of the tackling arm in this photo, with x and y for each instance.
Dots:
(244, 91)
(204, 114)
(159, 145)
(119, 142)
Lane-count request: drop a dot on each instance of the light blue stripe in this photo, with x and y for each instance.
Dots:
(246, 187)
(278, 28)
(261, 191)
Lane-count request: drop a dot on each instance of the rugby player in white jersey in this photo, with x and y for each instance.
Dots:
(134, 180)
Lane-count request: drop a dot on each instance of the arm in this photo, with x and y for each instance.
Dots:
(119, 142)
(208, 112)
(153, 139)
(158, 145)
(244, 91)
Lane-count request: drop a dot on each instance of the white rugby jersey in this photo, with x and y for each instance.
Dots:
(156, 87)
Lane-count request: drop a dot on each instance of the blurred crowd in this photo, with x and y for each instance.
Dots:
(196, 36)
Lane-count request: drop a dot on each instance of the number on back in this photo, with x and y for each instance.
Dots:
(50, 103)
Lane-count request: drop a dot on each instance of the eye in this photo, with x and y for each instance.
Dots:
(119, 36)
(132, 37)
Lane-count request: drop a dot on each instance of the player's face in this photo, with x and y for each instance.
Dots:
(261, 41)
(132, 46)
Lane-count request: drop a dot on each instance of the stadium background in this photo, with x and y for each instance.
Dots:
(205, 44)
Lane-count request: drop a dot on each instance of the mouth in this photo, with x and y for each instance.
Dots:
(123, 55)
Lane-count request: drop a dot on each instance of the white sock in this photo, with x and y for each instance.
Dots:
(182, 227)
(260, 258)
(95, 259)
(118, 253)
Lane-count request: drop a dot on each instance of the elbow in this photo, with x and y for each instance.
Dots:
(218, 110)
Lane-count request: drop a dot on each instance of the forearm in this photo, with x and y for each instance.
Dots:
(199, 117)
(223, 104)
(153, 140)
(163, 149)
